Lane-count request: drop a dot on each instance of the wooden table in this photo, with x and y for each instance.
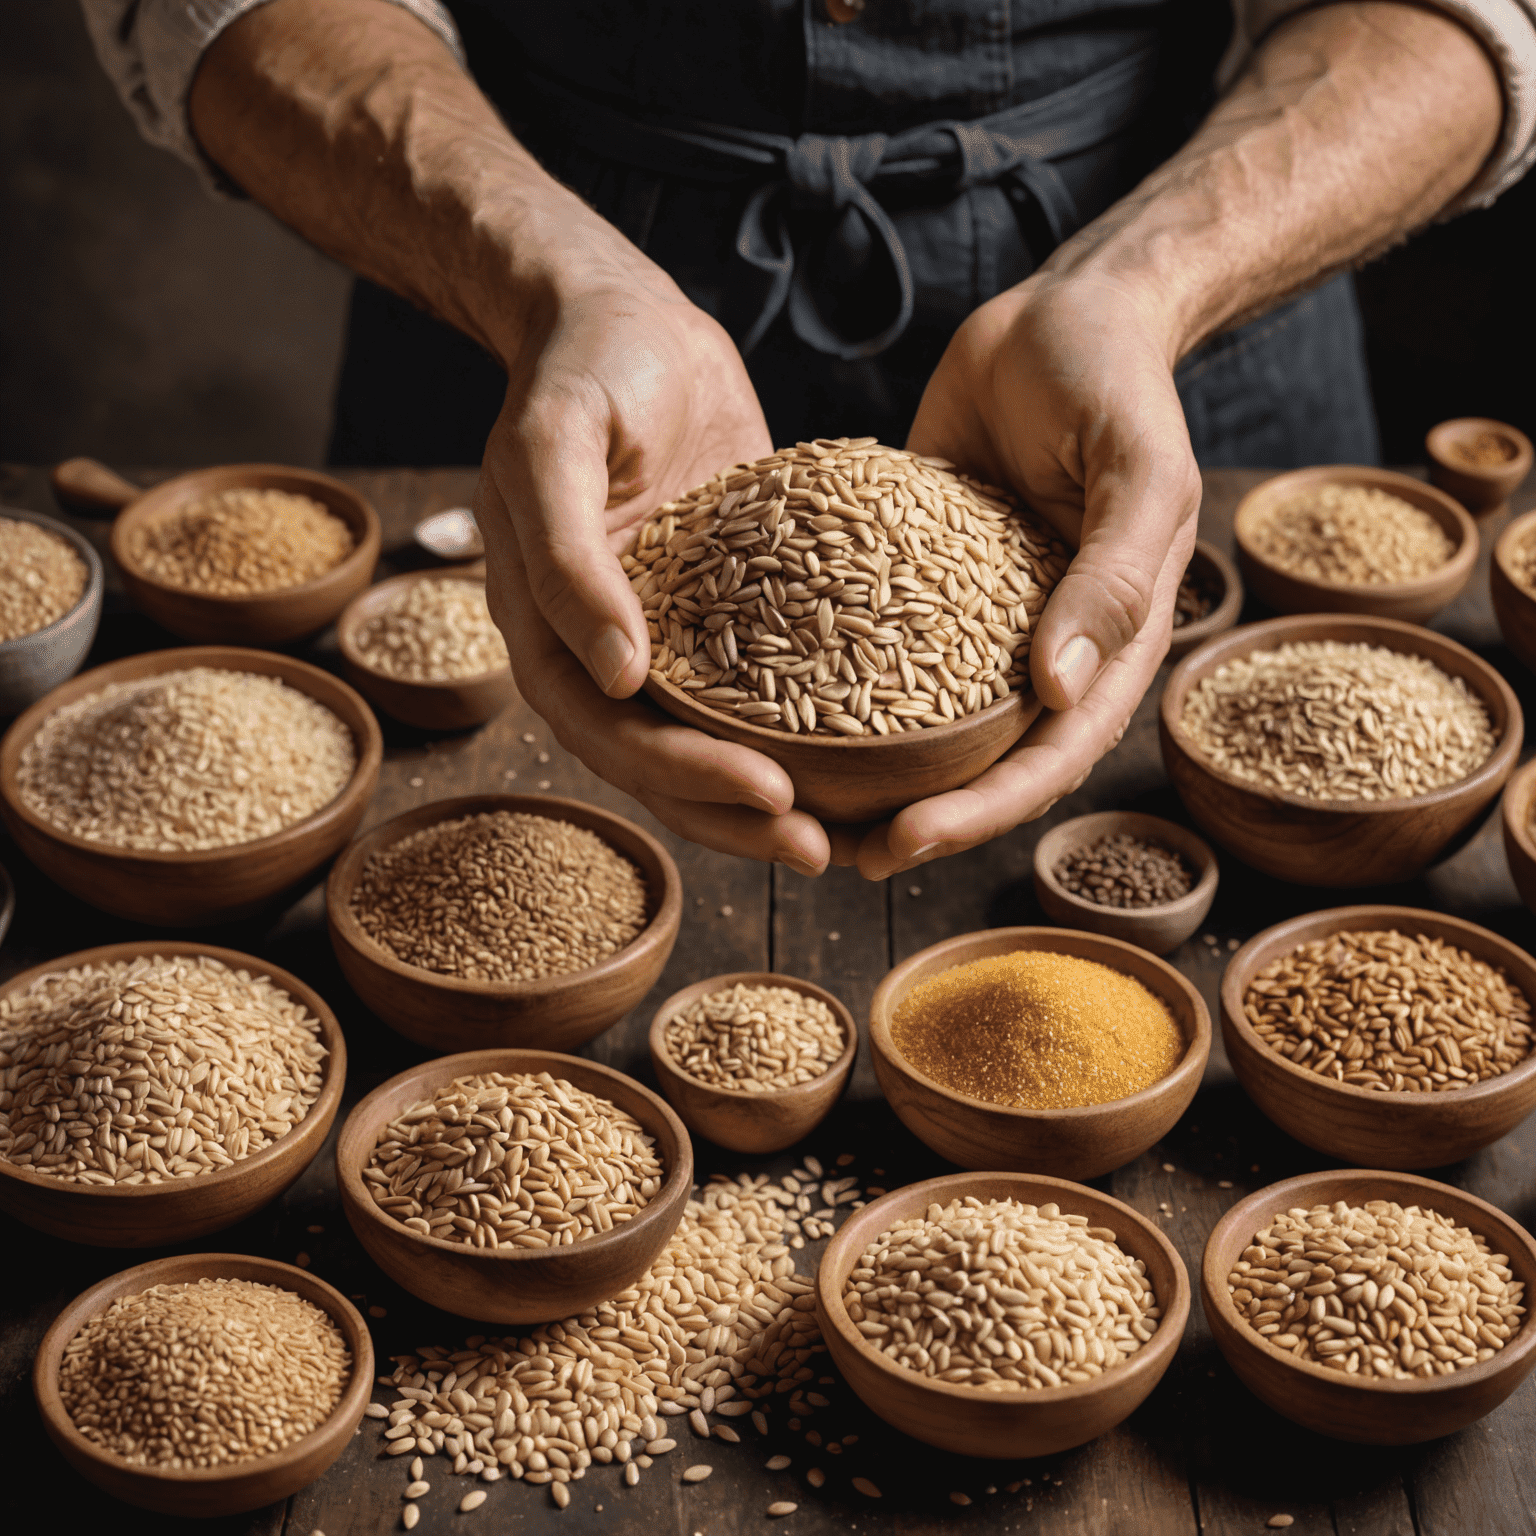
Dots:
(1202, 1455)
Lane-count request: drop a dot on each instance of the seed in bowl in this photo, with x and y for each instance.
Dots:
(1199, 593)
(1327, 720)
(1001, 1295)
(755, 1039)
(142, 1071)
(42, 577)
(204, 1373)
(1522, 564)
(186, 760)
(1377, 1290)
(434, 631)
(501, 897)
(840, 588)
(1487, 450)
(1124, 871)
(1351, 535)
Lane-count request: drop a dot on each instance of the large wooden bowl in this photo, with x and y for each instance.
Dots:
(1483, 492)
(33, 664)
(514, 1285)
(1212, 564)
(151, 1215)
(1513, 605)
(1373, 1411)
(734, 1118)
(1065, 1143)
(1361, 1125)
(1004, 1425)
(211, 1491)
(260, 618)
(1336, 842)
(449, 1013)
(193, 888)
(1416, 601)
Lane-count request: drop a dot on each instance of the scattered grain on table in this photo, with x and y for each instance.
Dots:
(1351, 535)
(42, 577)
(755, 1039)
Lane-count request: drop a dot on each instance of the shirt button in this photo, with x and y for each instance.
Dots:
(842, 11)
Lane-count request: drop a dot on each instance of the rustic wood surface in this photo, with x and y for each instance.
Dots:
(1201, 1455)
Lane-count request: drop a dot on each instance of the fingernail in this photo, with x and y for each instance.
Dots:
(800, 866)
(608, 656)
(760, 803)
(1077, 664)
(918, 853)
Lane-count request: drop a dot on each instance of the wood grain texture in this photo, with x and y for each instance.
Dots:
(34, 664)
(1211, 564)
(1484, 493)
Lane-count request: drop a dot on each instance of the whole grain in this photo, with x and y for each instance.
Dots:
(1200, 593)
(42, 577)
(1484, 450)
(1521, 564)
(1351, 535)
(1124, 871)
(755, 1039)
(434, 630)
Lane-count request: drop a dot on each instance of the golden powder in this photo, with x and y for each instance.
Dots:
(1037, 1030)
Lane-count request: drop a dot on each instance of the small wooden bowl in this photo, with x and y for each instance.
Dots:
(1483, 492)
(1065, 1143)
(1336, 842)
(195, 887)
(449, 1013)
(451, 704)
(1513, 605)
(733, 1118)
(1359, 1125)
(34, 664)
(152, 1215)
(1002, 1425)
(260, 618)
(1515, 812)
(514, 1285)
(1212, 564)
(1369, 1411)
(1162, 928)
(210, 1491)
(1415, 601)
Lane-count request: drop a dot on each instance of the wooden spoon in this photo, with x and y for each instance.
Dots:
(88, 487)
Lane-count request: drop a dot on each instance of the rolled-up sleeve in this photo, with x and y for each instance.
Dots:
(150, 50)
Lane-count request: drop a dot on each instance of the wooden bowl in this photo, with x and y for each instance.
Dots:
(259, 618)
(1515, 812)
(1161, 928)
(452, 704)
(210, 1491)
(865, 778)
(1415, 601)
(1065, 1143)
(32, 665)
(1374, 1411)
(195, 887)
(514, 1285)
(1003, 1425)
(449, 1013)
(1213, 565)
(152, 1215)
(1483, 492)
(733, 1118)
(1336, 842)
(1513, 605)
(1360, 1125)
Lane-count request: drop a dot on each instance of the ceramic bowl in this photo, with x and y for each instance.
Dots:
(32, 665)
(514, 1285)
(1336, 842)
(1004, 1425)
(1483, 490)
(201, 886)
(211, 1491)
(1513, 604)
(1066, 1143)
(1351, 1407)
(1213, 567)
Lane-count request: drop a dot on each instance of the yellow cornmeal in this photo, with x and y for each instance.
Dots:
(1037, 1030)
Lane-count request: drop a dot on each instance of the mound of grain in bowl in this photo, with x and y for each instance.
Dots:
(240, 542)
(1351, 535)
(1390, 1012)
(140, 1071)
(204, 1373)
(1377, 1290)
(42, 577)
(1200, 593)
(1124, 871)
(434, 631)
(1037, 1030)
(840, 588)
(186, 760)
(1521, 564)
(1333, 721)
(501, 896)
(755, 1039)
(1001, 1295)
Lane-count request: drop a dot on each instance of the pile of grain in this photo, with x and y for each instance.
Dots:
(1198, 595)
(240, 542)
(502, 896)
(1351, 535)
(204, 1373)
(1377, 1289)
(840, 587)
(1331, 721)
(434, 631)
(42, 577)
(1485, 450)
(1521, 564)
(756, 1039)
(1124, 871)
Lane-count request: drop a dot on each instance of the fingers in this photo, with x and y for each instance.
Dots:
(795, 840)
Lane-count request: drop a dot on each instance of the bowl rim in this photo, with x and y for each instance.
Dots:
(1249, 1213)
(91, 592)
(1153, 829)
(1456, 425)
(1520, 787)
(368, 743)
(1190, 1064)
(348, 868)
(1177, 1308)
(1517, 531)
(1222, 617)
(1370, 917)
(343, 1314)
(444, 1069)
(1268, 634)
(332, 1083)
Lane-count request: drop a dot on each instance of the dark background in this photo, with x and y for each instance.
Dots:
(145, 323)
